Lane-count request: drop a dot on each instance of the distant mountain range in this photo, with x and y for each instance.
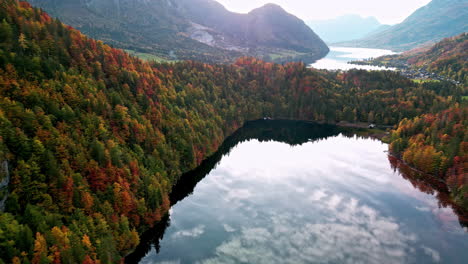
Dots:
(345, 28)
(437, 20)
(191, 29)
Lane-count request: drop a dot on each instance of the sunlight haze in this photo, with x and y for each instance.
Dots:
(387, 12)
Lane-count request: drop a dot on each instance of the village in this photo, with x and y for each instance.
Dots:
(407, 70)
(422, 74)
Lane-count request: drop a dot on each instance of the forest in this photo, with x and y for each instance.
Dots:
(447, 58)
(94, 139)
(437, 144)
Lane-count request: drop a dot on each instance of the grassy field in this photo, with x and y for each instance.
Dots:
(147, 56)
(423, 80)
(283, 54)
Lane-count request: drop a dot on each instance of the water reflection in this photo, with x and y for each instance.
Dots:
(289, 132)
(330, 199)
(432, 186)
(338, 58)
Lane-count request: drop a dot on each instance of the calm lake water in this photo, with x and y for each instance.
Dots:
(338, 58)
(294, 192)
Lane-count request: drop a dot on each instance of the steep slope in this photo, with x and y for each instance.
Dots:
(95, 139)
(263, 31)
(381, 28)
(145, 26)
(344, 28)
(437, 20)
(195, 29)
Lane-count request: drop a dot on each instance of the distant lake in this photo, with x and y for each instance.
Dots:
(338, 58)
(295, 192)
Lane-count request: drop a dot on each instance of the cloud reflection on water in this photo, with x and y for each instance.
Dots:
(352, 233)
(331, 201)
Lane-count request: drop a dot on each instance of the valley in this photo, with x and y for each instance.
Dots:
(343, 58)
(149, 144)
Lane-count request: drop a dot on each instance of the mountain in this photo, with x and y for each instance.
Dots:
(191, 29)
(344, 28)
(94, 139)
(266, 28)
(381, 28)
(437, 20)
(144, 26)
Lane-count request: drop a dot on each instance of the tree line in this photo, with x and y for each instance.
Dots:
(96, 138)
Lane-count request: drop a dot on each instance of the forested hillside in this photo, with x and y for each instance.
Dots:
(95, 139)
(448, 58)
(202, 30)
(437, 144)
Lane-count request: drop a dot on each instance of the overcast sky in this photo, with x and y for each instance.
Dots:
(386, 11)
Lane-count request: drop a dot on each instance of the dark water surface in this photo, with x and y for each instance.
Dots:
(294, 192)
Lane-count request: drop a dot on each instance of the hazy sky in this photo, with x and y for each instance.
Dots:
(386, 11)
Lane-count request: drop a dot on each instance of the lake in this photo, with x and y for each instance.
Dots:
(296, 192)
(338, 58)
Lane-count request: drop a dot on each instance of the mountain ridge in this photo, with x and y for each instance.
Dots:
(195, 29)
(427, 25)
(344, 28)
(96, 138)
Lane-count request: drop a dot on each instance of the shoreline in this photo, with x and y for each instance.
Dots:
(359, 129)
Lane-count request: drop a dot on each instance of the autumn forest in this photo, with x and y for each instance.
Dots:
(94, 139)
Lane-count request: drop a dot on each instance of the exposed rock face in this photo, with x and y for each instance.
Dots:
(269, 26)
(190, 29)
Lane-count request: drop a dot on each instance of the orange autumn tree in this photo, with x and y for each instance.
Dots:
(438, 145)
(96, 138)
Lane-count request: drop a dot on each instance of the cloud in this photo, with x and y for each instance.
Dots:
(334, 201)
(150, 261)
(432, 253)
(195, 232)
(317, 195)
(238, 194)
(229, 228)
(350, 233)
(297, 212)
(169, 262)
(423, 208)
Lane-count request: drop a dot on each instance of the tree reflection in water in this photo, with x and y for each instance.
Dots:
(430, 185)
(292, 133)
